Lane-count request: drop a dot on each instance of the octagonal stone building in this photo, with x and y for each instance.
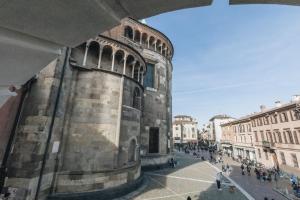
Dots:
(157, 50)
(94, 116)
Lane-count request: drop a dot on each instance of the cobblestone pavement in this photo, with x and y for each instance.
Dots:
(254, 187)
(191, 177)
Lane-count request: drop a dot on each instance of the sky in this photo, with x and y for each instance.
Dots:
(232, 59)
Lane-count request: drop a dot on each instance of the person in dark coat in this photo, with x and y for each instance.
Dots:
(243, 168)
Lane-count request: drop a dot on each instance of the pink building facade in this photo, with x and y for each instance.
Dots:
(270, 137)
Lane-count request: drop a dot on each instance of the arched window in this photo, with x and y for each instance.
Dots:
(119, 61)
(93, 54)
(163, 49)
(158, 46)
(151, 43)
(129, 65)
(106, 58)
(78, 53)
(132, 151)
(128, 32)
(142, 72)
(136, 71)
(145, 39)
(137, 36)
(136, 103)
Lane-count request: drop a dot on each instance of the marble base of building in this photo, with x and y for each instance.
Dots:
(152, 162)
(102, 194)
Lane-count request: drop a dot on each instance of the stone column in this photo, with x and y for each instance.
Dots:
(100, 56)
(113, 60)
(142, 76)
(133, 34)
(155, 45)
(139, 73)
(141, 36)
(133, 68)
(161, 49)
(125, 60)
(148, 43)
(85, 54)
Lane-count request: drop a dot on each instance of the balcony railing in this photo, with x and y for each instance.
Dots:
(267, 144)
(226, 141)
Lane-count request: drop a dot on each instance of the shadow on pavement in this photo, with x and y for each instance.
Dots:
(163, 182)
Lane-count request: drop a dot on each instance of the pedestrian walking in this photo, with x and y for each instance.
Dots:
(189, 198)
(223, 168)
(218, 180)
(243, 168)
(249, 170)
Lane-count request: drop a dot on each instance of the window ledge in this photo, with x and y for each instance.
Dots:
(151, 89)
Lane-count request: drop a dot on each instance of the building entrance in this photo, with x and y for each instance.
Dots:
(154, 140)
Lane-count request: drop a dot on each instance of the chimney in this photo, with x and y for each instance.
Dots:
(295, 98)
(263, 108)
(278, 104)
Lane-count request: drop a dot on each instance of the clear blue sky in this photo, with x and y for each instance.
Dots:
(232, 59)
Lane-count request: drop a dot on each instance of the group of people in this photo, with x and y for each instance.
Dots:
(246, 168)
(265, 175)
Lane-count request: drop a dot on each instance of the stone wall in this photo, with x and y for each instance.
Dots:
(8, 112)
(157, 107)
(33, 130)
(95, 152)
(157, 104)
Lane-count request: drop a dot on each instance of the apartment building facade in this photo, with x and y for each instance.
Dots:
(237, 139)
(185, 130)
(215, 130)
(274, 135)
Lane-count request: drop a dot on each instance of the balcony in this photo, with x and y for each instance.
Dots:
(267, 144)
(226, 142)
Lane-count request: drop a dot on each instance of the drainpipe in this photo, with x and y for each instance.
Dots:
(3, 168)
(51, 125)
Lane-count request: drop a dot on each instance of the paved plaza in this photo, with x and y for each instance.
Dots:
(191, 177)
(256, 188)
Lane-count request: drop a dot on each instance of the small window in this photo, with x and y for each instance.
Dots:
(289, 133)
(270, 138)
(253, 123)
(279, 137)
(285, 138)
(136, 103)
(256, 136)
(262, 136)
(282, 158)
(259, 153)
(297, 113)
(274, 136)
(295, 160)
(128, 32)
(149, 78)
(274, 119)
(266, 120)
(296, 137)
(266, 155)
(283, 117)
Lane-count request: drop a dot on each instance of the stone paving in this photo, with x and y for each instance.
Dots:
(191, 177)
(254, 187)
